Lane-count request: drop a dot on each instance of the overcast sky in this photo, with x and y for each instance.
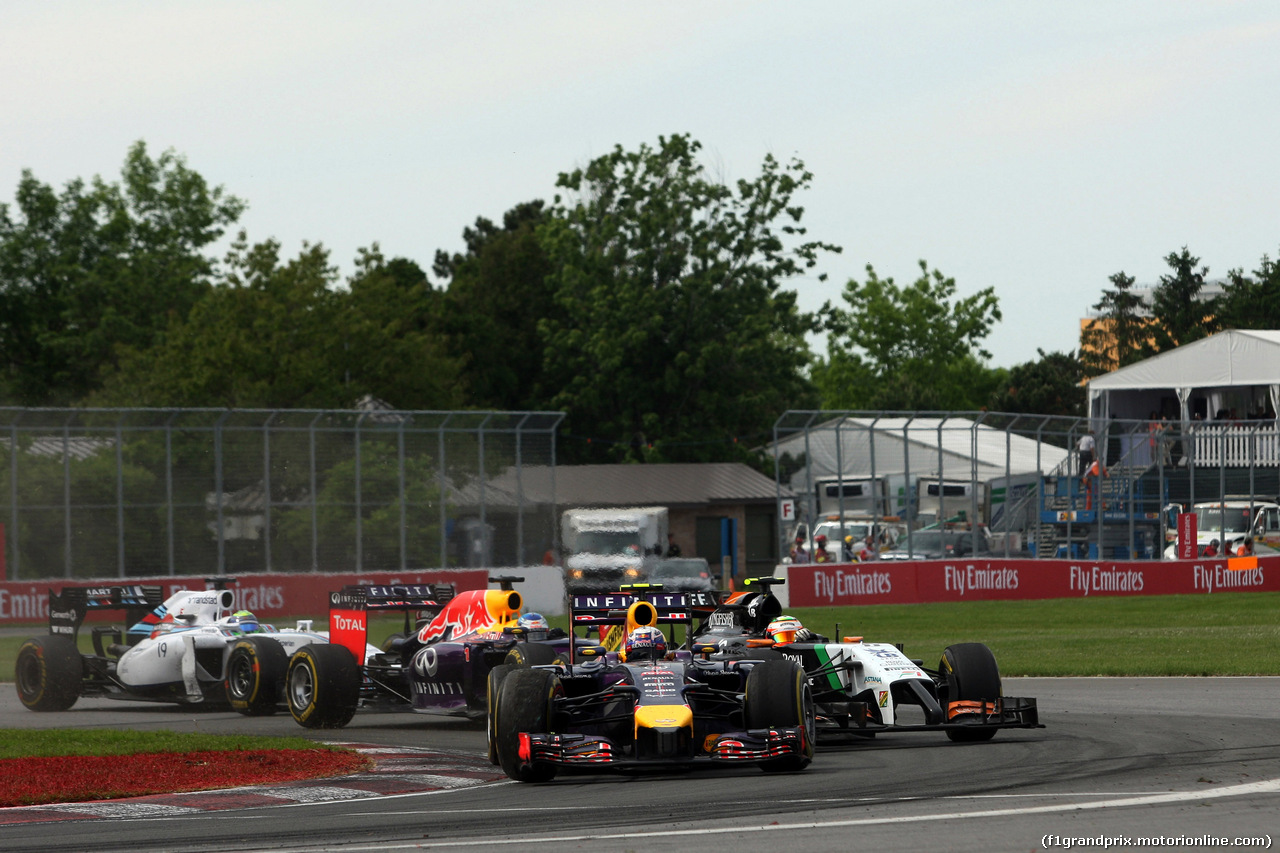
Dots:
(1036, 148)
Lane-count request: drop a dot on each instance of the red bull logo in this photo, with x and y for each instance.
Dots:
(470, 611)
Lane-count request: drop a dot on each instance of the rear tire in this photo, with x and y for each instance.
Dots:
(256, 669)
(531, 654)
(48, 673)
(323, 686)
(524, 704)
(777, 696)
(971, 675)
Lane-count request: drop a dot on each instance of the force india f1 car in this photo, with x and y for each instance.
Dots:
(440, 667)
(599, 710)
(862, 688)
(188, 649)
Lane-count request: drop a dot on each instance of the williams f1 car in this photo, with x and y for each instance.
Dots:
(647, 707)
(439, 666)
(189, 649)
(862, 688)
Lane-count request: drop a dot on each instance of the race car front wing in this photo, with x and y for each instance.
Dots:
(1006, 712)
(600, 753)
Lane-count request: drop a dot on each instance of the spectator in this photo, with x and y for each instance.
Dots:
(820, 553)
(673, 550)
(1091, 479)
(1084, 452)
(798, 553)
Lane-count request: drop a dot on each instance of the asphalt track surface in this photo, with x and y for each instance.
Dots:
(1187, 759)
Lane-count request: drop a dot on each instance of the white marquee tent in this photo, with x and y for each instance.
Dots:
(1234, 371)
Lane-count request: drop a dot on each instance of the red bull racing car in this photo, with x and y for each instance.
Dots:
(650, 705)
(439, 666)
(862, 688)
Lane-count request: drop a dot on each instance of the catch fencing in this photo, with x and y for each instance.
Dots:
(1021, 477)
(101, 493)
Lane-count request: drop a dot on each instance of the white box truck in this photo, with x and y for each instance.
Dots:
(608, 547)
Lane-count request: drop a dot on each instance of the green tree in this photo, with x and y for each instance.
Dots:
(264, 338)
(99, 267)
(1118, 335)
(1251, 302)
(1053, 385)
(497, 293)
(1180, 315)
(673, 335)
(388, 319)
(281, 335)
(910, 348)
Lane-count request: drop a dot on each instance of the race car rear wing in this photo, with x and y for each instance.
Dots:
(638, 604)
(349, 606)
(68, 608)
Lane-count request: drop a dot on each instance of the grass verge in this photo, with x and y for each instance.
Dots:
(1190, 635)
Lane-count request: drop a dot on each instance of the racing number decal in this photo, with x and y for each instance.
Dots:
(162, 649)
(884, 698)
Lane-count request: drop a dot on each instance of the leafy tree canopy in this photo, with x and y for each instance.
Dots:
(1117, 336)
(497, 292)
(1251, 302)
(672, 334)
(1051, 386)
(98, 267)
(1179, 314)
(275, 334)
(912, 347)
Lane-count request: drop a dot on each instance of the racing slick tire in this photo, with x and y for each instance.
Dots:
(494, 684)
(971, 674)
(48, 673)
(256, 669)
(322, 686)
(524, 704)
(531, 654)
(777, 695)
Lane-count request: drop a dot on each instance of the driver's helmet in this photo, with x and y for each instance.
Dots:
(534, 624)
(645, 643)
(244, 621)
(783, 629)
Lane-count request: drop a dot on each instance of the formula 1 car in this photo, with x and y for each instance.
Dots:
(189, 649)
(596, 710)
(863, 688)
(442, 666)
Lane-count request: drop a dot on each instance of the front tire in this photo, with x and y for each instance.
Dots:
(48, 673)
(493, 683)
(256, 669)
(525, 704)
(322, 686)
(778, 696)
(971, 675)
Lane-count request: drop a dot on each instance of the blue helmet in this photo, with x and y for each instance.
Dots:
(645, 643)
(533, 622)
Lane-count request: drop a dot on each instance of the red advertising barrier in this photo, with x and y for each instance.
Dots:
(824, 585)
(268, 596)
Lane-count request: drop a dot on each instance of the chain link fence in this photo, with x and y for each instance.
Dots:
(98, 493)
(1028, 481)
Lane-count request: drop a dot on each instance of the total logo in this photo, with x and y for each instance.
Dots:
(348, 623)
